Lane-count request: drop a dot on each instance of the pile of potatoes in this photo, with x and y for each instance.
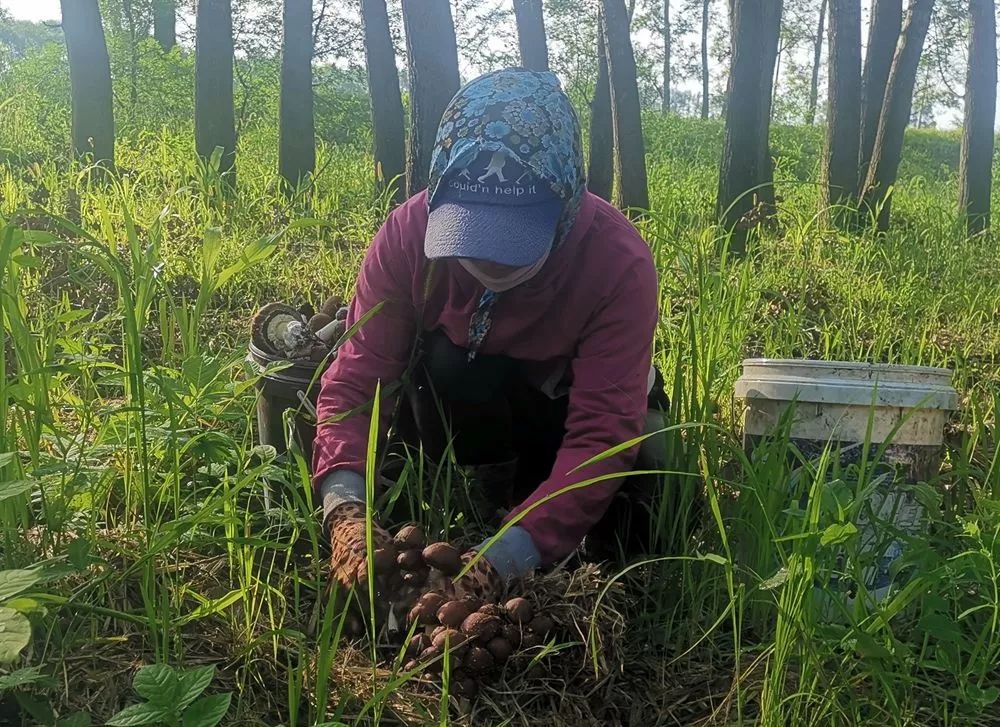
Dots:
(478, 637)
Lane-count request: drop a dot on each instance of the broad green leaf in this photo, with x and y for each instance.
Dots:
(13, 582)
(982, 697)
(158, 683)
(211, 247)
(940, 627)
(192, 683)
(207, 711)
(28, 261)
(26, 605)
(262, 453)
(6, 458)
(15, 488)
(778, 579)
(138, 714)
(78, 553)
(867, 647)
(253, 254)
(39, 236)
(838, 533)
(37, 706)
(24, 677)
(15, 632)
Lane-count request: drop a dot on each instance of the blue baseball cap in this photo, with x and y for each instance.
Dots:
(495, 209)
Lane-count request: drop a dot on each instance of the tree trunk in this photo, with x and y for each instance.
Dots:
(133, 66)
(667, 48)
(883, 35)
(214, 121)
(432, 58)
(817, 55)
(704, 59)
(531, 34)
(771, 18)
(843, 103)
(600, 168)
(896, 112)
(90, 81)
(296, 130)
(776, 77)
(630, 150)
(976, 167)
(386, 101)
(165, 23)
(746, 176)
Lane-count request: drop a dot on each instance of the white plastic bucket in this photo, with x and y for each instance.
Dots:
(840, 402)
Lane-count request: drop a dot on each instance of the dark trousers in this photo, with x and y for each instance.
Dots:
(490, 415)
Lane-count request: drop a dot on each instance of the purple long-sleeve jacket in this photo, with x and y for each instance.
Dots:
(585, 321)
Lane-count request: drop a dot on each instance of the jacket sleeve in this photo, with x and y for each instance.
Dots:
(378, 352)
(607, 407)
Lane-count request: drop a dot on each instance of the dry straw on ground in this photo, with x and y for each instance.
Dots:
(594, 671)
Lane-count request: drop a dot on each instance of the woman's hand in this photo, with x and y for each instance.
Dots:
(349, 562)
(481, 581)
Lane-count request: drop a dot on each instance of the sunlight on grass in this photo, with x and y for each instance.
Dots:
(131, 486)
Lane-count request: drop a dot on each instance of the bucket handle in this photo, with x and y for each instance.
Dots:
(306, 404)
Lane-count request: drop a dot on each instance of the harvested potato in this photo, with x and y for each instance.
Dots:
(500, 649)
(384, 559)
(453, 613)
(478, 660)
(443, 556)
(411, 536)
(472, 602)
(512, 634)
(425, 612)
(452, 640)
(431, 655)
(417, 644)
(466, 687)
(520, 610)
(541, 625)
(481, 626)
(433, 600)
(410, 560)
(494, 609)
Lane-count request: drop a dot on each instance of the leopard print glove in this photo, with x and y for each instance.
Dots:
(346, 525)
(482, 582)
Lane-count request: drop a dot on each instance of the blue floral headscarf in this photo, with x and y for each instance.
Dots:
(527, 115)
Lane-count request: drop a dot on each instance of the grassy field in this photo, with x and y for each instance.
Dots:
(131, 531)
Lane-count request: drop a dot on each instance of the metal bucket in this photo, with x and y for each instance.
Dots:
(843, 404)
(281, 391)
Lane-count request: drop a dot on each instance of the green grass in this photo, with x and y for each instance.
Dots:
(127, 414)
